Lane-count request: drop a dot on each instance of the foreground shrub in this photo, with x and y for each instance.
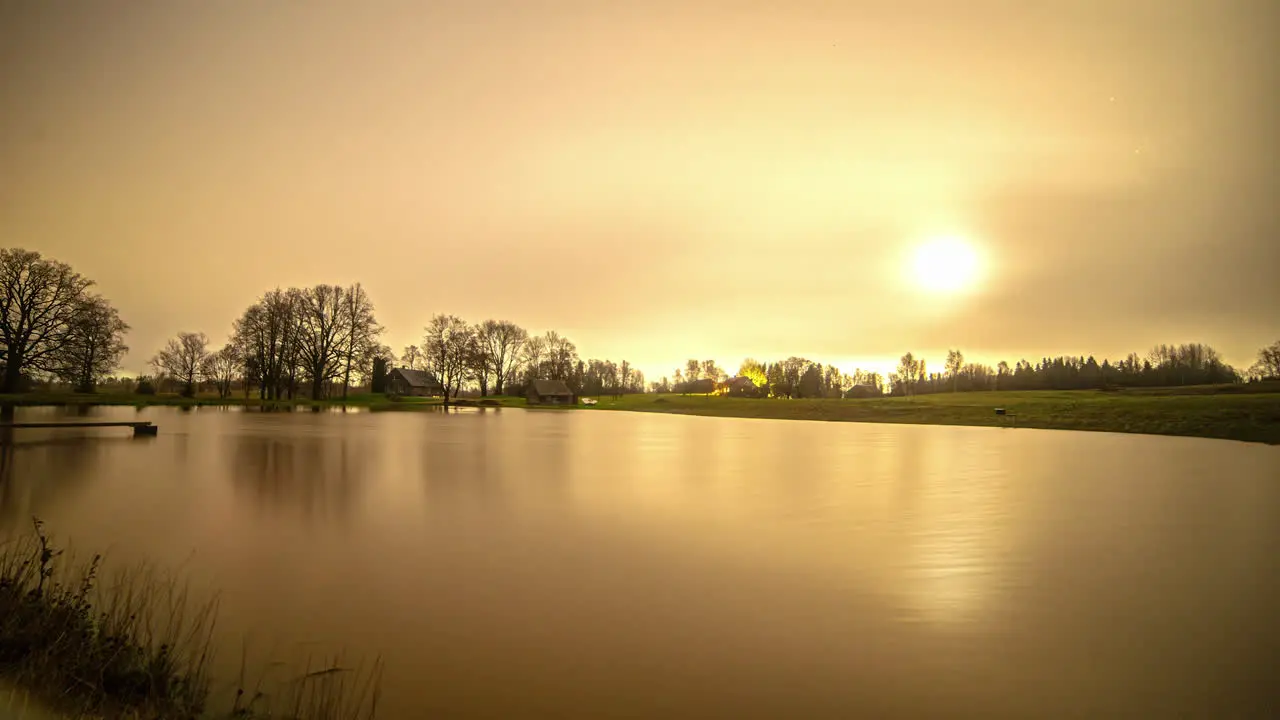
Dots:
(137, 646)
(133, 646)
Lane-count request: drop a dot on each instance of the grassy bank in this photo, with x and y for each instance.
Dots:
(1233, 412)
(1252, 417)
(136, 646)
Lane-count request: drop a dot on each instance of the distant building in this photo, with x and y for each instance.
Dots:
(403, 381)
(740, 386)
(863, 391)
(549, 392)
(705, 386)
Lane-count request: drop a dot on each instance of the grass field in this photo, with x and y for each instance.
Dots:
(1253, 417)
(1235, 412)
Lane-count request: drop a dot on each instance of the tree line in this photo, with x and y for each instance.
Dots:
(319, 341)
(795, 377)
(1163, 366)
(501, 356)
(316, 340)
(323, 340)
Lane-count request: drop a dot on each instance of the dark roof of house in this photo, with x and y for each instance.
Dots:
(740, 380)
(551, 387)
(417, 378)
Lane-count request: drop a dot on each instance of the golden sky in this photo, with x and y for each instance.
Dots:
(661, 180)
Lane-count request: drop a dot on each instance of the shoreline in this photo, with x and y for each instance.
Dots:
(1252, 422)
(1216, 412)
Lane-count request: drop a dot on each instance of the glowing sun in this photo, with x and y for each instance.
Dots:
(946, 265)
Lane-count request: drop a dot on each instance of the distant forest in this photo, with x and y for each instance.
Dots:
(1164, 365)
(323, 341)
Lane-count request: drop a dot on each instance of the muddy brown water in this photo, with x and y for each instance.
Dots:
(508, 563)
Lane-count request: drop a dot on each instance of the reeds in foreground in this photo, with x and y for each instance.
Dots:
(138, 646)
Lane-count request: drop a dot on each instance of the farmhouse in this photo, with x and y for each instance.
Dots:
(549, 392)
(740, 386)
(863, 391)
(403, 381)
(705, 386)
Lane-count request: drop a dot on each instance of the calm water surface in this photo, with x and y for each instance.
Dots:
(591, 564)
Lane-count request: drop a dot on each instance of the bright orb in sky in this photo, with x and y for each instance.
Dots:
(946, 265)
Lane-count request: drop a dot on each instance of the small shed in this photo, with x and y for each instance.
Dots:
(420, 383)
(549, 392)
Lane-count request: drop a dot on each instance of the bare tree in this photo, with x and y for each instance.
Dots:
(711, 371)
(625, 378)
(448, 345)
(220, 369)
(183, 358)
(94, 345)
(292, 366)
(478, 362)
(833, 382)
(362, 331)
(793, 371)
(321, 338)
(1268, 365)
(503, 344)
(266, 337)
(535, 354)
(39, 299)
(411, 356)
(1002, 373)
(692, 370)
(562, 356)
(909, 368)
(249, 338)
(874, 380)
(955, 361)
(609, 377)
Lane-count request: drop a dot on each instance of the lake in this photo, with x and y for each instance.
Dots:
(509, 563)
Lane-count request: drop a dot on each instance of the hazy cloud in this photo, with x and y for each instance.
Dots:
(662, 179)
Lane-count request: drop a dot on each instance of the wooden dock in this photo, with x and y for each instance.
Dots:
(139, 428)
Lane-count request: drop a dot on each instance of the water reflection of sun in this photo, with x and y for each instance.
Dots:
(956, 533)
